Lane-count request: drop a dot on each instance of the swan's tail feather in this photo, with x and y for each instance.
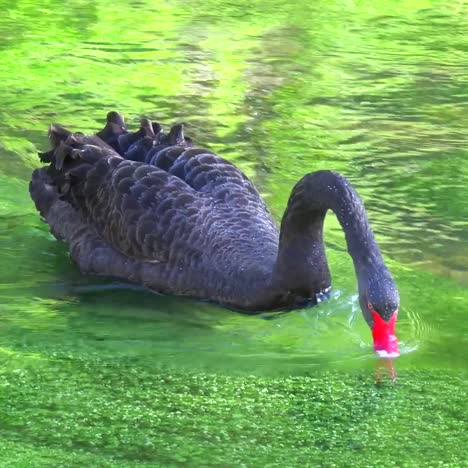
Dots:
(62, 152)
(73, 155)
(176, 135)
(168, 148)
(157, 129)
(44, 187)
(139, 150)
(147, 126)
(117, 121)
(57, 134)
(115, 127)
(138, 145)
(128, 139)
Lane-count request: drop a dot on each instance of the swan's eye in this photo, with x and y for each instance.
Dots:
(386, 311)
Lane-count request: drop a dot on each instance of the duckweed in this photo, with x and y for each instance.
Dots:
(88, 411)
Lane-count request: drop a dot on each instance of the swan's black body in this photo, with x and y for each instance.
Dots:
(190, 223)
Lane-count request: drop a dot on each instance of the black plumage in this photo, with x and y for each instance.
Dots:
(149, 208)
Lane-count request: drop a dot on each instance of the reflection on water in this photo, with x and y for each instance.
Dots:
(385, 368)
(376, 93)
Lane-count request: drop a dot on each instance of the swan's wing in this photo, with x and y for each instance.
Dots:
(223, 183)
(206, 172)
(158, 214)
(141, 210)
(203, 171)
(199, 168)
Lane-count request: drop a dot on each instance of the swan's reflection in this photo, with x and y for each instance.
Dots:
(384, 365)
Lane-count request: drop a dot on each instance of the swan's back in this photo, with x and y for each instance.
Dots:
(189, 223)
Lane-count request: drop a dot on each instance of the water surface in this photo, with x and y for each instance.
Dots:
(375, 90)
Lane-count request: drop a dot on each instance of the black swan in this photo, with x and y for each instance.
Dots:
(148, 207)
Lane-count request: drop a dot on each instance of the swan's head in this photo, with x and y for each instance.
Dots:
(379, 300)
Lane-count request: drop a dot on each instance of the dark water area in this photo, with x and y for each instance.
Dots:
(377, 91)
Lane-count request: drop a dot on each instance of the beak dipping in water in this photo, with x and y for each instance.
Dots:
(385, 341)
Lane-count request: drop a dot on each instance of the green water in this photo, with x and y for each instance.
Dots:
(95, 373)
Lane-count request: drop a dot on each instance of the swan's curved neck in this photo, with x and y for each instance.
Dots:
(301, 266)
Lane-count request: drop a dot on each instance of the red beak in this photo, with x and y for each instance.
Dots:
(385, 341)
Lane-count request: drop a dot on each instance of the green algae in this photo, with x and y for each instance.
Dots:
(66, 412)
